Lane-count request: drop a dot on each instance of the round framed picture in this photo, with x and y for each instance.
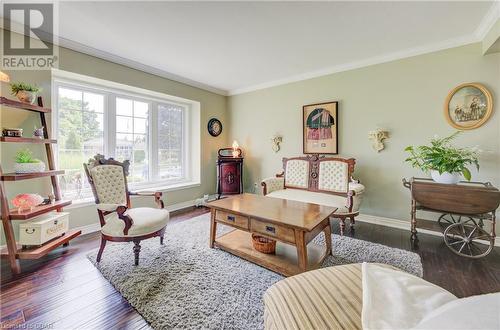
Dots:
(214, 127)
(468, 106)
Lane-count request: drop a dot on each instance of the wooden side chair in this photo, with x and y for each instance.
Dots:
(120, 222)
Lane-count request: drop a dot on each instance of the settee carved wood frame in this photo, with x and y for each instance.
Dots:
(99, 160)
(314, 162)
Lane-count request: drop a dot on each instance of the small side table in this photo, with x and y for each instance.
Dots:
(229, 172)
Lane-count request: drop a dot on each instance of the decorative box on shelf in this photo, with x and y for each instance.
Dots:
(44, 228)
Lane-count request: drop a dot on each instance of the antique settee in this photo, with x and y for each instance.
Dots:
(319, 180)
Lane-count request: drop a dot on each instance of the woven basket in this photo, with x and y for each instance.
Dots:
(263, 244)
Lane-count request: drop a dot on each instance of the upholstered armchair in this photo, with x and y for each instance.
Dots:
(120, 222)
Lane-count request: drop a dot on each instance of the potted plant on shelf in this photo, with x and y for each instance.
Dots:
(445, 162)
(25, 92)
(25, 163)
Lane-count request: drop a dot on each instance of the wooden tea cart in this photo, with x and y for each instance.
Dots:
(464, 207)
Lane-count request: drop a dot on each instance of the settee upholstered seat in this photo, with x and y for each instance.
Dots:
(316, 197)
(319, 180)
(146, 220)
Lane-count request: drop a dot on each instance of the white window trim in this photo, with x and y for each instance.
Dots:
(191, 152)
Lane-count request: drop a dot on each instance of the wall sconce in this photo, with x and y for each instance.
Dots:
(276, 139)
(4, 77)
(377, 137)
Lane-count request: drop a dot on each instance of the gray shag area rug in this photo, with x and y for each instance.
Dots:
(185, 284)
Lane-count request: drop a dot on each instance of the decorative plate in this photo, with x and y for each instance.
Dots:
(468, 106)
(214, 127)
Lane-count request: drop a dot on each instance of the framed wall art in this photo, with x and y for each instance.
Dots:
(468, 106)
(320, 128)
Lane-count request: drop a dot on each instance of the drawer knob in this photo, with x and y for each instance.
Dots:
(230, 218)
(30, 230)
(271, 229)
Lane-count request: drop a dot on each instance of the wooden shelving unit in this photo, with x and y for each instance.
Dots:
(37, 210)
(13, 251)
(25, 106)
(26, 176)
(25, 140)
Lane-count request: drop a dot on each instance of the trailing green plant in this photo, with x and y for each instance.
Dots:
(441, 156)
(20, 86)
(25, 156)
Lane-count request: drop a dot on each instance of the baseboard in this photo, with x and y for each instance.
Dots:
(92, 228)
(400, 224)
(180, 206)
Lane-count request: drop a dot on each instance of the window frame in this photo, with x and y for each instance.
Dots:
(111, 91)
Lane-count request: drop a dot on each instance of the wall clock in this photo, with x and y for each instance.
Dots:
(214, 127)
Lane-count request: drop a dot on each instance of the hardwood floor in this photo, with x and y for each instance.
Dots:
(64, 290)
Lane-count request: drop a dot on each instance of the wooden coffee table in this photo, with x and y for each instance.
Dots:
(292, 224)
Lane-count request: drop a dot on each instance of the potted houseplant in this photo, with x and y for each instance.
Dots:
(25, 92)
(25, 163)
(445, 162)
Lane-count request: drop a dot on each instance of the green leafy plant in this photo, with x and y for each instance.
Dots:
(441, 156)
(20, 86)
(25, 156)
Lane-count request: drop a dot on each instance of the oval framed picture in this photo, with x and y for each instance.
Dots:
(468, 106)
(214, 127)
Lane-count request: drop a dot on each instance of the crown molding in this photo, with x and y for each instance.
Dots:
(478, 35)
(450, 43)
(81, 48)
(84, 49)
(488, 21)
(483, 28)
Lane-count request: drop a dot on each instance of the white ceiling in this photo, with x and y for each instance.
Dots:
(232, 47)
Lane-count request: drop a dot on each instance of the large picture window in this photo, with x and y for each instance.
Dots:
(149, 132)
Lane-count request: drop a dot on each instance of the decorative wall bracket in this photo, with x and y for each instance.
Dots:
(276, 139)
(377, 137)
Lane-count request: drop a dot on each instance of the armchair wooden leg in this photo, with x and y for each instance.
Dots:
(353, 221)
(161, 240)
(137, 250)
(342, 226)
(101, 249)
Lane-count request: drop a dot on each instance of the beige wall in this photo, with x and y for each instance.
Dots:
(405, 97)
(212, 105)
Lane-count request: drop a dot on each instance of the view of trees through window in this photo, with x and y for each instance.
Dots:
(170, 138)
(81, 123)
(132, 137)
(80, 136)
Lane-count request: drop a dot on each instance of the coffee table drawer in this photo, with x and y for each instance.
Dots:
(232, 219)
(272, 230)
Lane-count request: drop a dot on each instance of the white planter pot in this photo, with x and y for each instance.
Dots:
(29, 167)
(447, 178)
(26, 97)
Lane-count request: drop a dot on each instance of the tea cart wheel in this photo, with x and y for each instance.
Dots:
(462, 239)
(447, 219)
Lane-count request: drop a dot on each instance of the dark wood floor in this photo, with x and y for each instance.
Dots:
(64, 290)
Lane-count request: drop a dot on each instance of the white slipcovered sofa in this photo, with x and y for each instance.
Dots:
(319, 180)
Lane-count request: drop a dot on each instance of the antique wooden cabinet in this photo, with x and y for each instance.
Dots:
(229, 172)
